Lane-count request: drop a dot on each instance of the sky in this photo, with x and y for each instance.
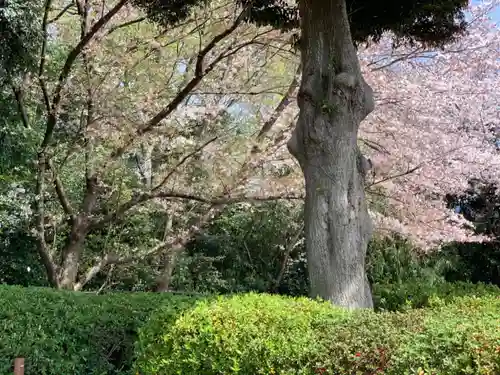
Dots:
(495, 14)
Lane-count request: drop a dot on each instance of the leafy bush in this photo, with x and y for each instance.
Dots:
(468, 261)
(262, 334)
(74, 333)
(244, 250)
(395, 260)
(414, 295)
(480, 205)
(245, 334)
(20, 263)
(460, 338)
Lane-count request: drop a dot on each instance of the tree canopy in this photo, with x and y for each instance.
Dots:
(434, 23)
(20, 35)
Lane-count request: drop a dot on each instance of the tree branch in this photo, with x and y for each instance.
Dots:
(43, 248)
(223, 200)
(289, 248)
(43, 52)
(199, 74)
(174, 245)
(418, 166)
(18, 94)
(61, 194)
(182, 161)
(285, 101)
(125, 24)
(61, 13)
(63, 76)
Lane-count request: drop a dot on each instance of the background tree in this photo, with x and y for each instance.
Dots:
(333, 100)
(251, 114)
(426, 136)
(122, 140)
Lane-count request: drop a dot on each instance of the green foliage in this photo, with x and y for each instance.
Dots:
(460, 338)
(433, 23)
(245, 334)
(20, 263)
(74, 333)
(167, 12)
(430, 22)
(263, 334)
(21, 34)
(480, 205)
(378, 200)
(394, 260)
(420, 294)
(468, 261)
(244, 249)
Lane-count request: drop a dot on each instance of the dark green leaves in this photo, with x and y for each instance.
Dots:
(431, 22)
(167, 12)
(20, 35)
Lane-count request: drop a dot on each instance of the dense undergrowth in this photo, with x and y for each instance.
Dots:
(429, 318)
(264, 334)
(62, 332)
(80, 333)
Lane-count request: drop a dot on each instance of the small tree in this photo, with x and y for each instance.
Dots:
(333, 100)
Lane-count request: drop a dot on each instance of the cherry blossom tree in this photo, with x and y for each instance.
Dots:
(436, 119)
(333, 100)
(123, 134)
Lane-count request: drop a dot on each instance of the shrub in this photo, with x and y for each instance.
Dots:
(412, 295)
(74, 333)
(459, 338)
(244, 334)
(468, 261)
(395, 260)
(243, 250)
(263, 334)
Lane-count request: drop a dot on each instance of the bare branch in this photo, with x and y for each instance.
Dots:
(292, 245)
(222, 200)
(285, 101)
(276, 90)
(61, 13)
(417, 167)
(43, 51)
(199, 74)
(94, 270)
(178, 243)
(126, 24)
(43, 248)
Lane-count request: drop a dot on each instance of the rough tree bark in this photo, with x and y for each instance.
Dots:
(333, 100)
(164, 279)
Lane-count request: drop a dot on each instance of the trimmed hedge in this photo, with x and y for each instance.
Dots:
(60, 332)
(263, 334)
(245, 334)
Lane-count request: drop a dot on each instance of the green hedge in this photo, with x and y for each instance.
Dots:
(63, 333)
(263, 334)
(414, 295)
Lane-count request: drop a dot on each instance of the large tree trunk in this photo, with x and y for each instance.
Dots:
(333, 100)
